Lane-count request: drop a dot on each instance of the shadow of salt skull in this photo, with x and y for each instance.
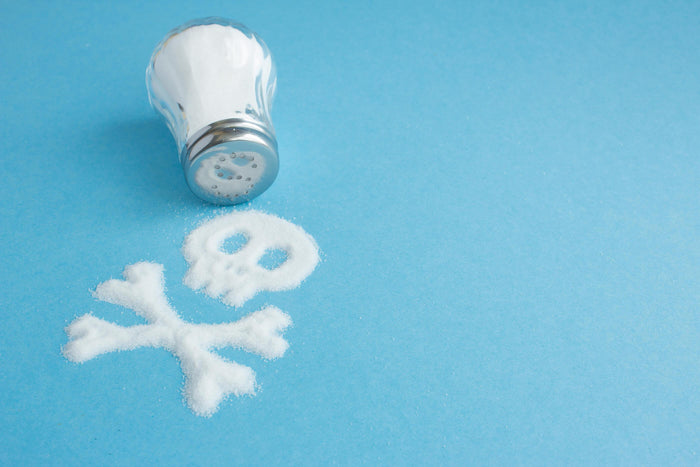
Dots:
(237, 277)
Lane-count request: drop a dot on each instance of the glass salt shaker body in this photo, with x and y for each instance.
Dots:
(213, 81)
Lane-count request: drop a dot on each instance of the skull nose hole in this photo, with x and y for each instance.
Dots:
(234, 243)
(272, 259)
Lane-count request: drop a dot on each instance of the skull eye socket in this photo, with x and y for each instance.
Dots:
(234, 243)
(272, 259)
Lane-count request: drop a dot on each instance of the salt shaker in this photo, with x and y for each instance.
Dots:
(213, 81)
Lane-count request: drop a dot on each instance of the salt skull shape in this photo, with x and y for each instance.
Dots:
(237, 277)
(213, 81)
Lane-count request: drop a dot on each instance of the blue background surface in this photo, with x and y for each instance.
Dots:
(505, 196)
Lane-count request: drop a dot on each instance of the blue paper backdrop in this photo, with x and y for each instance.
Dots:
(506, 200)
